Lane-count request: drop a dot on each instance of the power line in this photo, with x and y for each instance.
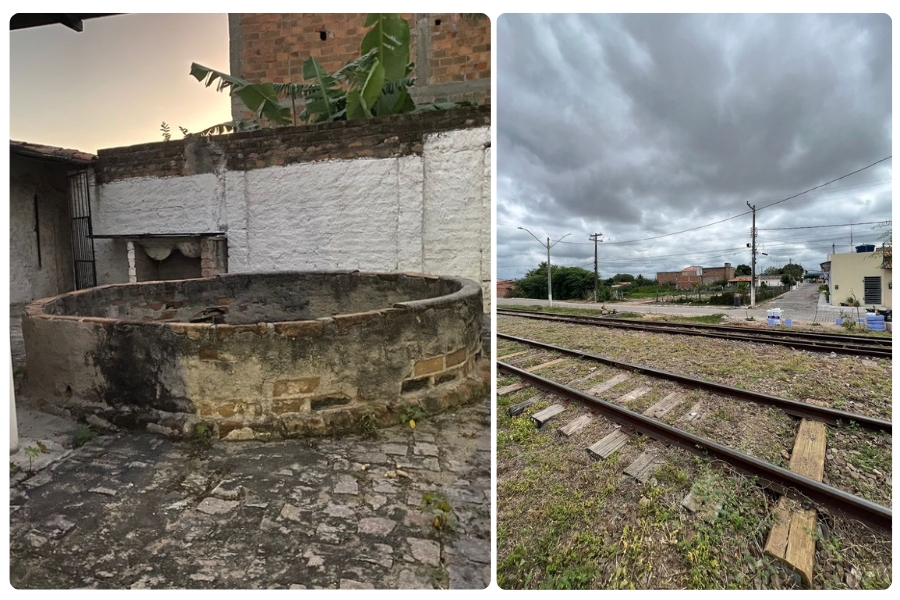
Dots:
(824, 184)
(819, 226)
(656, 237)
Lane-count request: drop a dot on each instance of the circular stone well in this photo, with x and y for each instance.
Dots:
(256, 356)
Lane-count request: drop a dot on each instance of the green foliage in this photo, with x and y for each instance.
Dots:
(725, 298)
(604, 294)
(847, 321)
(795, 270)
(202, 435)
(410, 413)
(374, 84)
(788, 280)
(742, 271)
(569, 283)
(260, 98)
(443, 517)
(83, 435)
(389, 41)
(368, 424)
(31, 452)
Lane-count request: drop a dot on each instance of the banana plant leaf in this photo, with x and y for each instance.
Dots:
(360, 102)
(394, 103)
(230, 126)
(324, 96)
(389, 38)
(261, 98)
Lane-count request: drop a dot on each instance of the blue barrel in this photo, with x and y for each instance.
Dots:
(788, 322)
(771, 322)
(874, 322)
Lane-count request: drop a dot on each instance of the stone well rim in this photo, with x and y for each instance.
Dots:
(35, 309)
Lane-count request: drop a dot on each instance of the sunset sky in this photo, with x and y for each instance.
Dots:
(114, 83)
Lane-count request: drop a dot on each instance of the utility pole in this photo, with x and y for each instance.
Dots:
(596, 237)
(549, 280)
(548, 245)
(753, 259)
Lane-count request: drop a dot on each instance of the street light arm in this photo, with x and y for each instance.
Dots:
(559, 240)
(534, 236)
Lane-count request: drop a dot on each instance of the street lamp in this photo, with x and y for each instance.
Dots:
(548, 246)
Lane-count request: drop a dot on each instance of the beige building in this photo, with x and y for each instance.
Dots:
(865, 276)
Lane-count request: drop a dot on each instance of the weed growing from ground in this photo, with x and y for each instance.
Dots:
(443, 517)
(32, 453)
(83, 435)
(368, 423)
(202, 433)
(410, 413)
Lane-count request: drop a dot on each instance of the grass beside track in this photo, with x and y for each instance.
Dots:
(566, 521)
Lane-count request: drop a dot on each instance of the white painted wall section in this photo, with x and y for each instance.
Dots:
(157, 205)
(454, 197)
(428, 213)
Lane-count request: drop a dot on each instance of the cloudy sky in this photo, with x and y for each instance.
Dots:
(641, 126)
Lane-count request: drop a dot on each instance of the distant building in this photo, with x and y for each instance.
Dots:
(505, 288)
(865, 275)
(690, 277)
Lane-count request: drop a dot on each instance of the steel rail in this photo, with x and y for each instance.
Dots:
(840, 338)
(748, 335)
(792, 407)
(773, 333)
(676, 324)
(771, 476)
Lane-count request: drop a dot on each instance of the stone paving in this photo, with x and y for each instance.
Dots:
(138, 510)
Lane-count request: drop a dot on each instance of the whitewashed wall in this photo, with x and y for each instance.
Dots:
(55, 275)
(428, 213)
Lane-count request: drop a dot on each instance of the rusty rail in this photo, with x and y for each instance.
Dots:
(792, 407)
(768, 475)
(814, 342)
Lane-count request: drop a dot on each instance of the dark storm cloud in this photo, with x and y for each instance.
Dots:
(641, 125)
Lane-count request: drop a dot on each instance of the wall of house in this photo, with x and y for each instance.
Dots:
(713, 274)
(688, 278)
(848, 271)
(451, 52)
(405, 193)
(49, 181)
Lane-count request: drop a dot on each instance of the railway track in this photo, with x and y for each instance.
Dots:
(810, 341)
(649, 423)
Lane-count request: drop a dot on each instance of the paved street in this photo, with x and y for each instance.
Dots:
(137, 510)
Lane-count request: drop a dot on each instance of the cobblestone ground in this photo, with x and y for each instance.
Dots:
(136, 510)
(140, 511)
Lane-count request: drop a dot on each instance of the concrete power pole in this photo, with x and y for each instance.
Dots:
(549, 280)
(548, 245)
(753, 259)
(595, 237)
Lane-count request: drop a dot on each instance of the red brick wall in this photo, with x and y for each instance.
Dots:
(452, 52)
(713, 274)
(383, 137)
(505, 288)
